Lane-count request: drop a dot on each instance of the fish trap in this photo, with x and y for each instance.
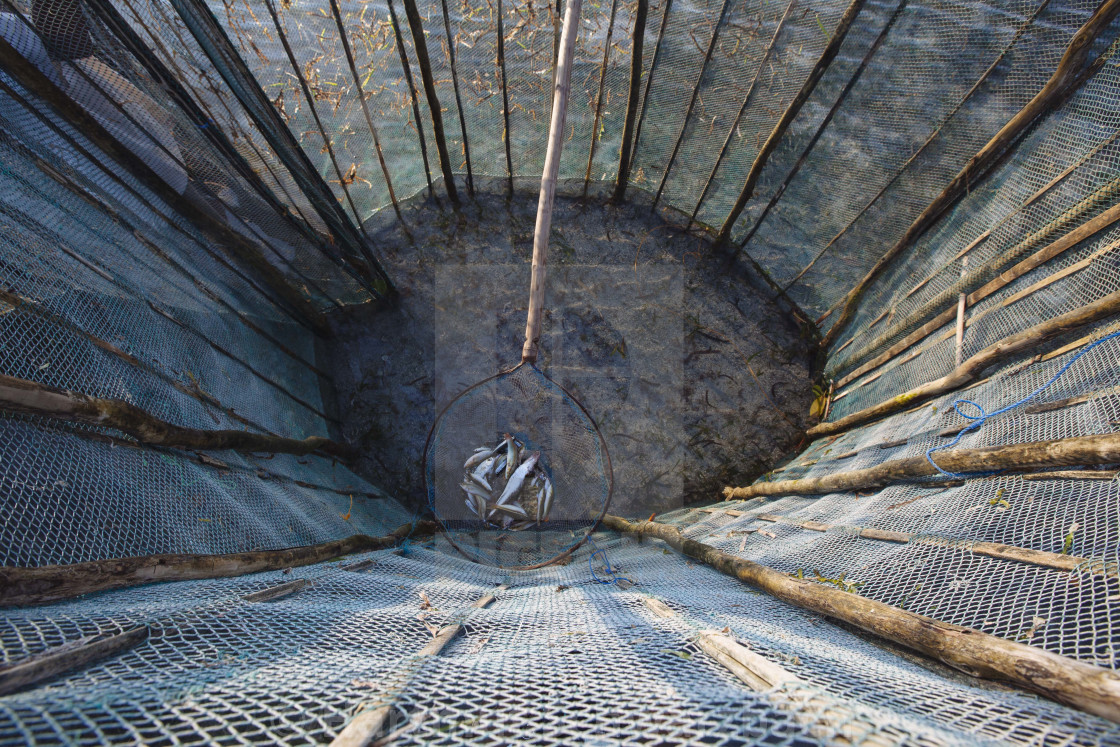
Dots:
(557, 443)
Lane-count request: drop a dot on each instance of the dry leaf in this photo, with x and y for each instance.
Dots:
(425, 603)
(766, 533)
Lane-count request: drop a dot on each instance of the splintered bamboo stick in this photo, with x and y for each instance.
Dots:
(971, 369)
(822, 712)
(1067, 76)
(783, 123)
(54, 661)
(505, 96)
(50, 583)
(1065, 452)
(624, 173)
(1074, 683)
(435, 110)
(364, 728)
(31, 398)
(632, 100)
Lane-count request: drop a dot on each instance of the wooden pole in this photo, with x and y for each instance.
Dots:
(599, 98)
(691, 102)
(31, 398)
(415, 94)
(972, 368)
(871, 51)
(783, 123)
(348, 52)
(742, 110)
(371, 719)
(505, 96)
(51, 583)
(548, 181)
(1067, 75)
(631, 101)
(458, 98)
(435, 109)
(632, 145)
(1092, 689)
(1066, 452)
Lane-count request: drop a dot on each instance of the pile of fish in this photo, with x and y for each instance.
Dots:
(507, 485)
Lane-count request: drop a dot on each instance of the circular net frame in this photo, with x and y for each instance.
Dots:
(543, 415)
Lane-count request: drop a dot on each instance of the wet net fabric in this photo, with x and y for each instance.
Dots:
(540, 414)
(218, 668)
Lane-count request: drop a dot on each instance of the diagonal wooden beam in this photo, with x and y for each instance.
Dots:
(830, 51)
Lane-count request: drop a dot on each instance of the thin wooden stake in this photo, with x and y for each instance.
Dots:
(742, 110)
(971, 369)
(631, 101)
(691, 102)
(783, 123)
(51, 583)
(276, 592)
(599, 98)
(435, 110)
(1067, 76)
(505, 96)
(1092, 689)
(458, 98)
(415, 92)
(624, 173)
(344, 38)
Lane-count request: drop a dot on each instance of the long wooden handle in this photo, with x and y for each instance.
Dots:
(548, 181)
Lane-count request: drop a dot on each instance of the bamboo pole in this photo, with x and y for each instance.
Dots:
(458, 98)
(348, 52)
(534, 318)
(31, 398)
(628, 139)
(1067, 75)
(599, 98)
(31, 78)
(371, 719)
(624, 175)
(435, 110)
(783, 123)
(51, 583)
(998, 550)
(691, 102)
(742, 110)
(415, 94)
(971, 369)
(54, 661)
(505, 95)
(1074, 683)
(1066, 452)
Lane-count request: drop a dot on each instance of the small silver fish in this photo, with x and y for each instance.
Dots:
(474, 489)
(477, 458)
(519, 476)
(544, 512)
(480, 506)
(518, 526)
(509, 508)
(540, 505)
(481, 472)
(511, 455)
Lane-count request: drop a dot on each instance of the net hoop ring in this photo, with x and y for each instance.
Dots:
(602, 444)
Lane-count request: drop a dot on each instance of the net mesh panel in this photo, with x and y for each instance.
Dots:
(295, 670)
(527, 405)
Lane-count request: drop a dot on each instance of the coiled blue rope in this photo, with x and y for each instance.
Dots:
(984, 416)
(612, 576)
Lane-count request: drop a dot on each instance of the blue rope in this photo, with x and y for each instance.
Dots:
(612, 576)
(984, 416)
